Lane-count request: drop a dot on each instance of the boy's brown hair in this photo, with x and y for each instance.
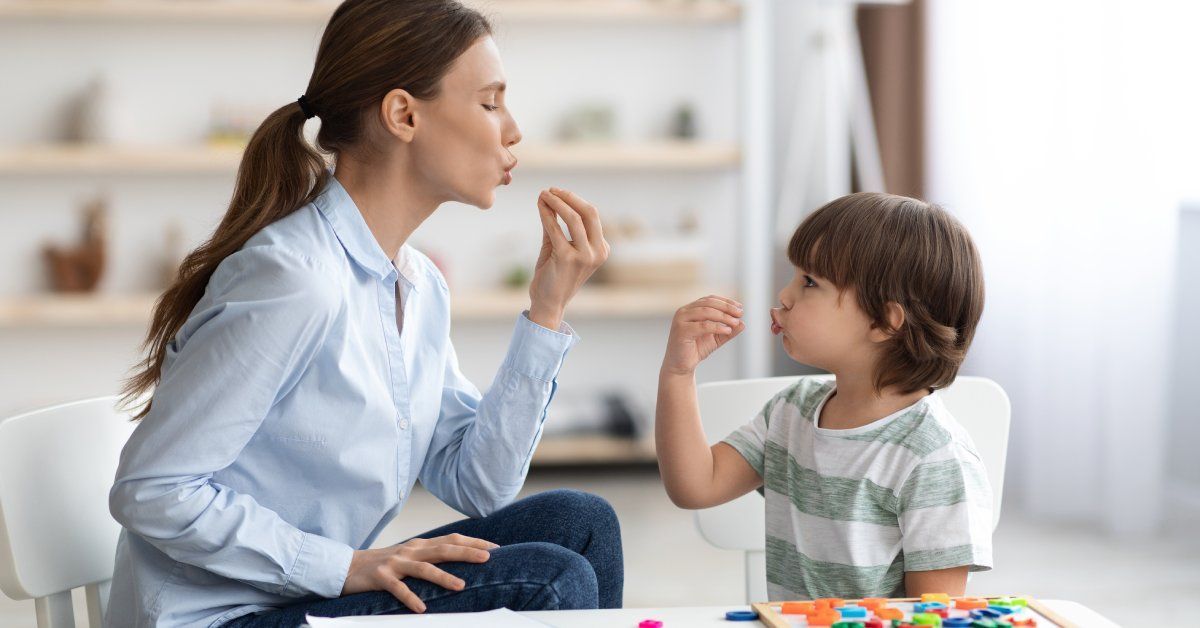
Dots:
(887, 248)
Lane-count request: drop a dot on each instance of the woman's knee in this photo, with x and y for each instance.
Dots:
(569, 579)
(578, 506)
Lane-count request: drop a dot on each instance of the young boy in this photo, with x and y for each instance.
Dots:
(872, 489)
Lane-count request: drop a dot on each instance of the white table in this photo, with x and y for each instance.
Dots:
(701, 616)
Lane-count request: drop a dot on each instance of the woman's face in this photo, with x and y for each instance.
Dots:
(462, 137)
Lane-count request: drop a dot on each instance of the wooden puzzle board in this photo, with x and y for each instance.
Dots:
(769, 613)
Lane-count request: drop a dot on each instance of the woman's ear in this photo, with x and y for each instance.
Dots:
(894, 313)
(398, 114)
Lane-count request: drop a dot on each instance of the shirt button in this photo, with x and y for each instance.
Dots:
(403, 424)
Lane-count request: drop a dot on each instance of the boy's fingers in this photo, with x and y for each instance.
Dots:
(720, 306)
(705, 313)
(720, 303)
(721, 340)
(701, 328)
(728, 300)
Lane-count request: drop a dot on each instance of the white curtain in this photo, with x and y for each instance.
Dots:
(1066, 134)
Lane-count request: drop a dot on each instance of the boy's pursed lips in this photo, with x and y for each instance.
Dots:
(776, 328)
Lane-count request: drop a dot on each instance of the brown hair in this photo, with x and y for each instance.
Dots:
(888, 248)
(369, 48)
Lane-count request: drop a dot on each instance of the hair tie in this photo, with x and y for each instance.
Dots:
(305, 107)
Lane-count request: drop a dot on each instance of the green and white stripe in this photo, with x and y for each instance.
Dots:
(849, 511)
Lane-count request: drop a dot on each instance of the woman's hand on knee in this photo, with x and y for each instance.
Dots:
(384, 568)
(564, 265)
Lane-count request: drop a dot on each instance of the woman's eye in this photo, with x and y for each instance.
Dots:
(491, 107)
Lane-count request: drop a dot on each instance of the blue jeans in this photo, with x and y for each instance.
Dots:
(559, 550)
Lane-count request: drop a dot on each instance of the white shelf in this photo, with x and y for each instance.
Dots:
(318, 11)
(105, 310)
(151, 160)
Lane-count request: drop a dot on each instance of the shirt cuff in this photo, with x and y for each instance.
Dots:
(321, 568)
(539, 352)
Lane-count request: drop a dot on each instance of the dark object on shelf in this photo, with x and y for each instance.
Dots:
(79, 268)
(589, 123)
(618, 419)
(517, 277)
(683, 126)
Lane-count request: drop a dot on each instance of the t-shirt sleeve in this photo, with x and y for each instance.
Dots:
(946, 512)
(750, 439)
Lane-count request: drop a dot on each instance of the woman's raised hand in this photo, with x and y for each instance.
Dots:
(564, 265)
(382, 569)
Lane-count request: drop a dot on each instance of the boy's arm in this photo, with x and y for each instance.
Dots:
(952, 581)
(945, 517)
(696, 475)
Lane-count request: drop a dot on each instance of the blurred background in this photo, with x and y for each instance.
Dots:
(1064, 133)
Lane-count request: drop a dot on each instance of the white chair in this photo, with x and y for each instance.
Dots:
(56, 534)
(978, 403)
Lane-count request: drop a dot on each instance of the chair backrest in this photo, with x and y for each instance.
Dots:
(977, 403)
(56, 533)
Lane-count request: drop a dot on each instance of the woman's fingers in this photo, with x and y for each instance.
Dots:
(445, 553)
(440, 577)
(468, 541)
(550, 226)
(569, 216)
(591, 216)
(405, 595)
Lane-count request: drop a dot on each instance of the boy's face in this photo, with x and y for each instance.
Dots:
(822, 325)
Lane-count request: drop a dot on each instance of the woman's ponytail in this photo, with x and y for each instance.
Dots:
(279, 173)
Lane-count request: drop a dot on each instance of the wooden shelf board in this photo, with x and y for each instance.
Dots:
(103, 310)
(667, 155)
(592, 450)
(151, 160)
(97, 159)
(318, 11)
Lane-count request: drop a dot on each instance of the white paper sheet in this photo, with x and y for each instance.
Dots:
(499, 618)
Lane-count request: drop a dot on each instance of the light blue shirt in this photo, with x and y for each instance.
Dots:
(293, 418)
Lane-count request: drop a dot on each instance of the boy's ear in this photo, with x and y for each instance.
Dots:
(894, 313)
(398, 114)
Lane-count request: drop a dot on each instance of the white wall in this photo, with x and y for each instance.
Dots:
(1184, 428)
(1064, 133)
(163, 79)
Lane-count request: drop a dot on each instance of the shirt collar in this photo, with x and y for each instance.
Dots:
(407, 267)
(352, 231)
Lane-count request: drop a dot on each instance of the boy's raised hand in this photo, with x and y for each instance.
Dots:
(698, 329)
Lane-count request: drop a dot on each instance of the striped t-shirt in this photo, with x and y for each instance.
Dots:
(849, 511)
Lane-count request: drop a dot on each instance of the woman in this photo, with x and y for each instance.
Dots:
(303, 377)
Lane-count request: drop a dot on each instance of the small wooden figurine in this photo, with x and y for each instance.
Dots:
(79, 268)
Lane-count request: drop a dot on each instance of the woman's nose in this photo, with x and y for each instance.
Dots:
(512, 133)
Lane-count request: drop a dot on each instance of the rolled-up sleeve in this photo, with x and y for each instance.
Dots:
(243, 348)
(482, 444)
